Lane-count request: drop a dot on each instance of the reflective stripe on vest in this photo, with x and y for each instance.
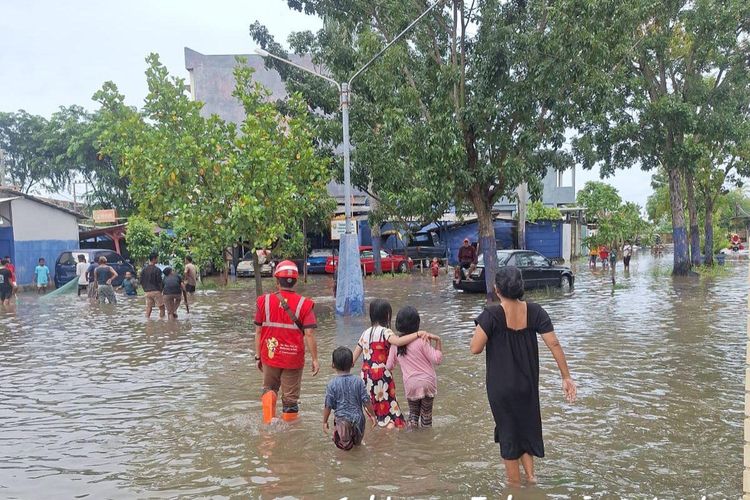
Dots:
(273, 324)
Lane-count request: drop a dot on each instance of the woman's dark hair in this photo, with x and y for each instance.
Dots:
(509, 282)
(343, 359)
(407, 321)
(167, 271)
(380, 313)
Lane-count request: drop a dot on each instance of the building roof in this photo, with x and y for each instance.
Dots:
(15, 194)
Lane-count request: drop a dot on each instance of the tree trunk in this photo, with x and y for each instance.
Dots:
(681, 265)
(487, 244)
(708, 245)
(695, 237)
(304, 249)
(256, 273)
(375, 232)
(521, 192)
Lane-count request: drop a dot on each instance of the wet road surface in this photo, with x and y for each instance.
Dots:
(97, 401)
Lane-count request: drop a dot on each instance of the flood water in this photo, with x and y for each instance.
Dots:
(97, 401)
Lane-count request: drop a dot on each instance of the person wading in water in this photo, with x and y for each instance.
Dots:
(508, 331)
(284, 323)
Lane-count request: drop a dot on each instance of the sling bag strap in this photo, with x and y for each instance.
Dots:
(290, 313)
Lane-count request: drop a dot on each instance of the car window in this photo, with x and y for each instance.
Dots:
(421, 239)
(502, 258)
(321, 253)
(112, 257)
(538, 260)
(248, 255)
(66, 259)
(524, 260)
(384, 254)
(511, 260)
(366, 254)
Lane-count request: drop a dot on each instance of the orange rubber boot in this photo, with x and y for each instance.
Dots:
(268, 401)
(290, 416)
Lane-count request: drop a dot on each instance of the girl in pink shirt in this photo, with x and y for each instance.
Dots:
(417, 364)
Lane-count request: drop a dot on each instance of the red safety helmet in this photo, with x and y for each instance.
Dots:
(286, 269)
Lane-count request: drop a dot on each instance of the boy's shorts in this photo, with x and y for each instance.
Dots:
(5, 293)
(154, 298)
(346, 435)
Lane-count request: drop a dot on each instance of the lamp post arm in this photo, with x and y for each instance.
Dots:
(398, 37)
(264, 53)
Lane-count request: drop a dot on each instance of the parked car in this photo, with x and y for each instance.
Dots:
(537, 271)
(65, 265)
(316, 260)
(246, 269)
(426, 245)
(389, 262)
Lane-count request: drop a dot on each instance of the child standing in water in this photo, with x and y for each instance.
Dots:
(346, 395)
(418, 365)
(435, 269)
(373, 346)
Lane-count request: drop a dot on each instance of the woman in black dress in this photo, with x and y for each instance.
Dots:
(509, 330)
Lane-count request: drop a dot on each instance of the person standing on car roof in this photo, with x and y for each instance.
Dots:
(284, 323)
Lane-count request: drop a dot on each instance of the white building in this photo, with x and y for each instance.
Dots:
(30, 228)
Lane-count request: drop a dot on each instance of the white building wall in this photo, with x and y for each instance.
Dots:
(34, 221)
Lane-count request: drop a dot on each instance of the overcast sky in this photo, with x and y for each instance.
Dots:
(55, 53)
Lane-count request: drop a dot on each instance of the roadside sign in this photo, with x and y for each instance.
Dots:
(338, 228)
(108, 215)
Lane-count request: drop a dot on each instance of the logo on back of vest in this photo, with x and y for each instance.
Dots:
(272, 343)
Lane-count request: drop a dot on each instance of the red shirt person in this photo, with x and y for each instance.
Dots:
(284, 323)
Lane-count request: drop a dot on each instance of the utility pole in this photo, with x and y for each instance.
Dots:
(350, 294)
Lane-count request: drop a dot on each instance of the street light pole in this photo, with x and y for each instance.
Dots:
(350, 295)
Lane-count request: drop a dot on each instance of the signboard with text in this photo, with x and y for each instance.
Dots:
(101, 216)
(338, 227)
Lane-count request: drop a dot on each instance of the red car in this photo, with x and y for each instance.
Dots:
(388, 262)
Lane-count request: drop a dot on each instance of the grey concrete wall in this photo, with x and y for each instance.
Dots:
(212, 81)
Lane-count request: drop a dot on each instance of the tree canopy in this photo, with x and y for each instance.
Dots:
(474, 102)
(677, 93)
(215, 183)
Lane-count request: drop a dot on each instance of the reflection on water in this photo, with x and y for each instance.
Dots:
(97, 400)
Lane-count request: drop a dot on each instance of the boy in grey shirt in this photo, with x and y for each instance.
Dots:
(346, 395)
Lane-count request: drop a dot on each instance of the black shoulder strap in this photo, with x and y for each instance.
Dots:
(291, 314)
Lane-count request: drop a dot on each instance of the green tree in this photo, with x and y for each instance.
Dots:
(599, 199)
(474, 102)
(537, 211)
(31, 153)
(140, 239)
(215, 184)
(675, 62)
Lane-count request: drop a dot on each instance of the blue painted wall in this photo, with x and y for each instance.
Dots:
(6, 242)
(27, 254)
(454, 236)
(546, 238)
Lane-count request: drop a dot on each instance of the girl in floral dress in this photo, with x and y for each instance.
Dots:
(374, 345)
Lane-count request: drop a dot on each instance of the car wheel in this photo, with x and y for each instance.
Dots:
(566, 284)
(403, 267)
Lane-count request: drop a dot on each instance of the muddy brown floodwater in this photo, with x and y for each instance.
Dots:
(97, 401)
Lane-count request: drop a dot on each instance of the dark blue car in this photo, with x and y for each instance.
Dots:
(316, 261)
(65, 266)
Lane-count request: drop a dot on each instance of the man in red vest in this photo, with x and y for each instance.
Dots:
(284, 323)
